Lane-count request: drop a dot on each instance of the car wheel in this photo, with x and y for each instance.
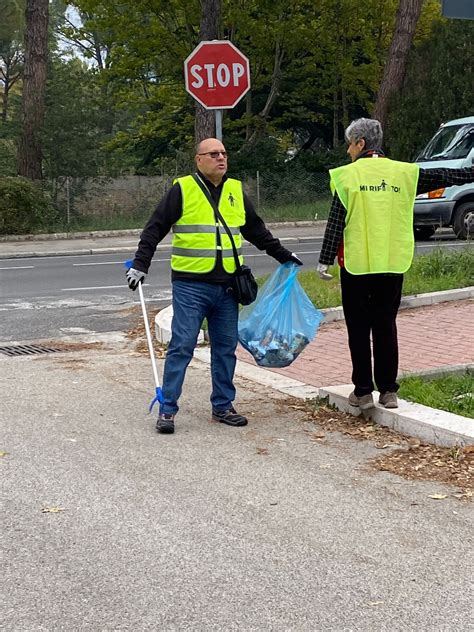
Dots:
(464, 220)
(424, 232)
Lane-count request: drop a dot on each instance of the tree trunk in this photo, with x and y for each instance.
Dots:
(205, 122)
(272, 95)
(34, 84)
(395, 68)
(248, 112)
(335, 119)
(6, 90)
(345, 109)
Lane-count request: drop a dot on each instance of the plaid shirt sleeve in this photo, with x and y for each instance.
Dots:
(431, 179)
(334, 231)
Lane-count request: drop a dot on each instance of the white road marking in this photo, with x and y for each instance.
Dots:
(100, 263)
(17, 268)
(459, 244)
(95, 287)
(297, 252)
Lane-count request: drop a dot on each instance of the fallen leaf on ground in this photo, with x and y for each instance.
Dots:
(52, 509)
(462, 495)
(262, 450)
(375, 603)
(3, 453)
(438, 496)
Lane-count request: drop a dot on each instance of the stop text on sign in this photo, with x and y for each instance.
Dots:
(222, 75)
(217, 74)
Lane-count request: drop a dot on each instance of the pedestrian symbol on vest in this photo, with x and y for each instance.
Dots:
(383, 185)
(231, 199)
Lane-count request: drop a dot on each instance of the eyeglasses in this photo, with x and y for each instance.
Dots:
(214, 154)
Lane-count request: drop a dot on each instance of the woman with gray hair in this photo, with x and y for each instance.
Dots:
(365, 129)
(370, 228)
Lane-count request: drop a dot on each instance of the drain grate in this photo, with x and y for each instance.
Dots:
(22, 350)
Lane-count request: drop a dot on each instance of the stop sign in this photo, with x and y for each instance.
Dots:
(217, 74)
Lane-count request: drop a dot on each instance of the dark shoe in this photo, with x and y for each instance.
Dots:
(229, 417)
(388, 400)
(165, 423)
(364, 402)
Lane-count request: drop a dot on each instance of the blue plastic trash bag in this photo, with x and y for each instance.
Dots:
(281, 322)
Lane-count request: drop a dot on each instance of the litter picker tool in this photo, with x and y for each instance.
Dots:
(158, 393)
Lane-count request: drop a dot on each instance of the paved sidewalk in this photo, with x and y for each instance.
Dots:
(126, 240)
(432, 337)
(107, 525)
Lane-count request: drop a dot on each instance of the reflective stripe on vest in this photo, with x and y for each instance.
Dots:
(194, 245)
(201, 228)
(379, 196)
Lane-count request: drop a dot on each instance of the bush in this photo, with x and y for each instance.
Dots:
(24, 207)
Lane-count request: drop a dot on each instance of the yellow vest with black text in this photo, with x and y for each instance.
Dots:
(379, 196)
(194, 245)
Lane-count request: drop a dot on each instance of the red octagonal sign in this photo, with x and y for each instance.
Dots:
(217, 74)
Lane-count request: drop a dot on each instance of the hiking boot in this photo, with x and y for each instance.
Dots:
(388, 400)
(364, 402)
(165, 423)
(230, 417)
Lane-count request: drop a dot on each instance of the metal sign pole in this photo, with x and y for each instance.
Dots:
(218, 124)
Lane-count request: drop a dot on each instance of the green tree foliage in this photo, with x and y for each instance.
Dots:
(11, 50)
(438, 87)
(23, 206)
(314, 67)
(11, 63)
(75, 129)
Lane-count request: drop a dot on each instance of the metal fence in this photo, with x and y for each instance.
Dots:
(128, 201)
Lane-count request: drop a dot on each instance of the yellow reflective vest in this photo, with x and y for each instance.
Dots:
(379, 195)
(194, 245)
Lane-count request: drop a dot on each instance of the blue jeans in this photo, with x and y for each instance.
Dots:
(192, 302)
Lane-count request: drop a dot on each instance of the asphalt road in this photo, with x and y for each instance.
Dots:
(45, 297)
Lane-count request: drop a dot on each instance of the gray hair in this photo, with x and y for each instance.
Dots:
(368, 129)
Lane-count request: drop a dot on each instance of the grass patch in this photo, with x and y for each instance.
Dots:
(317, 209)
(438, 270)
(453, 393)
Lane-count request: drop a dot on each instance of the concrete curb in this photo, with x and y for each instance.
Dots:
(280, 383)
(452, 369)
(99, 234)
(332, 314)
(93, 234)
(427, 424)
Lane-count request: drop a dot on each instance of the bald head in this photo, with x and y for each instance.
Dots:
(211, 159)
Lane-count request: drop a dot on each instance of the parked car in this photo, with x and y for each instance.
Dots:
(452, 146)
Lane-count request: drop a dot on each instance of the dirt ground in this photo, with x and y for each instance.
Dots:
(403, 455)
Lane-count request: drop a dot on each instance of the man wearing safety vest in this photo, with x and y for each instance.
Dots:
(203, 265)
(370, 228)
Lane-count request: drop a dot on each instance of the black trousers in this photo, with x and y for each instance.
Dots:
(370, 303)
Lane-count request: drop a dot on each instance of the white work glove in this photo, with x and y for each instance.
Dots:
(134, 277)
(295, 259)
(322, 270)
